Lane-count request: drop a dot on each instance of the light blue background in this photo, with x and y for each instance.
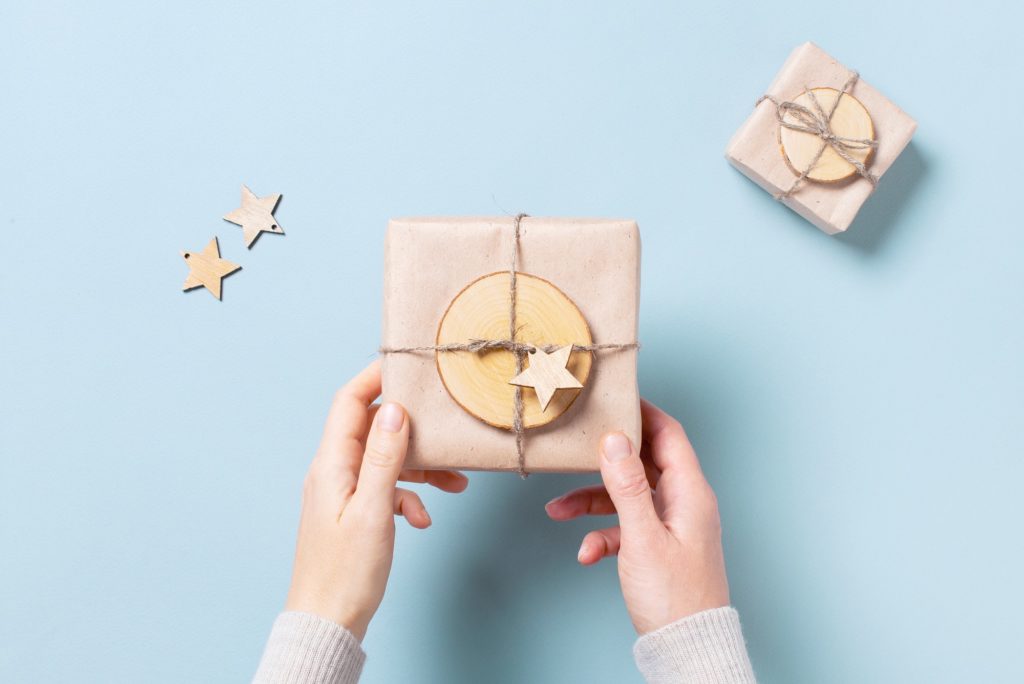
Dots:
(856, 400)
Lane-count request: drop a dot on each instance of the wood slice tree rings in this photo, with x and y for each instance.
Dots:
(479, 381)
(850, 120)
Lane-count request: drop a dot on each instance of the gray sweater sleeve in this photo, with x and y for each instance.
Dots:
(705, 648)
(307, 649)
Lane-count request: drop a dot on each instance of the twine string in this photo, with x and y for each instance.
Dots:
(518, 349)
(478, 345)
(517, 395)
(818, 122)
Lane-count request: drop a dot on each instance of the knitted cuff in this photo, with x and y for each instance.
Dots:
(307, 649)
(704, 648)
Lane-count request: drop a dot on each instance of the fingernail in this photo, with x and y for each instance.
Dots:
(583, 549)
(391, 417)
(616, 447)
(554, 501)
(426, 516)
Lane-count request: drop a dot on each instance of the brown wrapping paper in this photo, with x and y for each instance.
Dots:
(754, 149)
(428, 261)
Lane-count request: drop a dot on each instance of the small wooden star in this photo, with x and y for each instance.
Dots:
(256, 215)
(206, 268)
(547, 373)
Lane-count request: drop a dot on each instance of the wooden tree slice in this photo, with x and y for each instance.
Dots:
(851, 120)
(479, 381)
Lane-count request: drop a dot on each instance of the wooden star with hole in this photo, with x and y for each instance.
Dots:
(547, 373)
(256, 215)
(207, 269)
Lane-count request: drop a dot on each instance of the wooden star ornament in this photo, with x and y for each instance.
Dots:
(256, 215)
(547, 373)
(207, 269)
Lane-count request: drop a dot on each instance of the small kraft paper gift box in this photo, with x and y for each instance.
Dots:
(820, 139)
(511, 341)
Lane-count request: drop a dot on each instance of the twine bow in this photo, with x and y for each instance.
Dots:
(818, 122)
(518, 349)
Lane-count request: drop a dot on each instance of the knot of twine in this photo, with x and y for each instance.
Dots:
(818, 122)
(518, 349)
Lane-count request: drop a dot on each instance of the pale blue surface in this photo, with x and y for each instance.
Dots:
(857, 401)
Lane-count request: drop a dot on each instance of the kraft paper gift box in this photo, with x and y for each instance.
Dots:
(756, 148)
(429, 262)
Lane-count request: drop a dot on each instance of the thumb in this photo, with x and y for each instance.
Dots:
(382, 461)
(626, 481)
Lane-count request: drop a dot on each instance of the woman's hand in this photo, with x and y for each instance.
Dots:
(669, 544)
(347, 531)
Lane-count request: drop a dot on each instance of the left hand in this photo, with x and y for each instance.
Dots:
(347, 530)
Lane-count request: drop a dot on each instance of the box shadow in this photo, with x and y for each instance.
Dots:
(879, 219)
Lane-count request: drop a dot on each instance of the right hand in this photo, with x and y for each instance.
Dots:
(669, 543)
